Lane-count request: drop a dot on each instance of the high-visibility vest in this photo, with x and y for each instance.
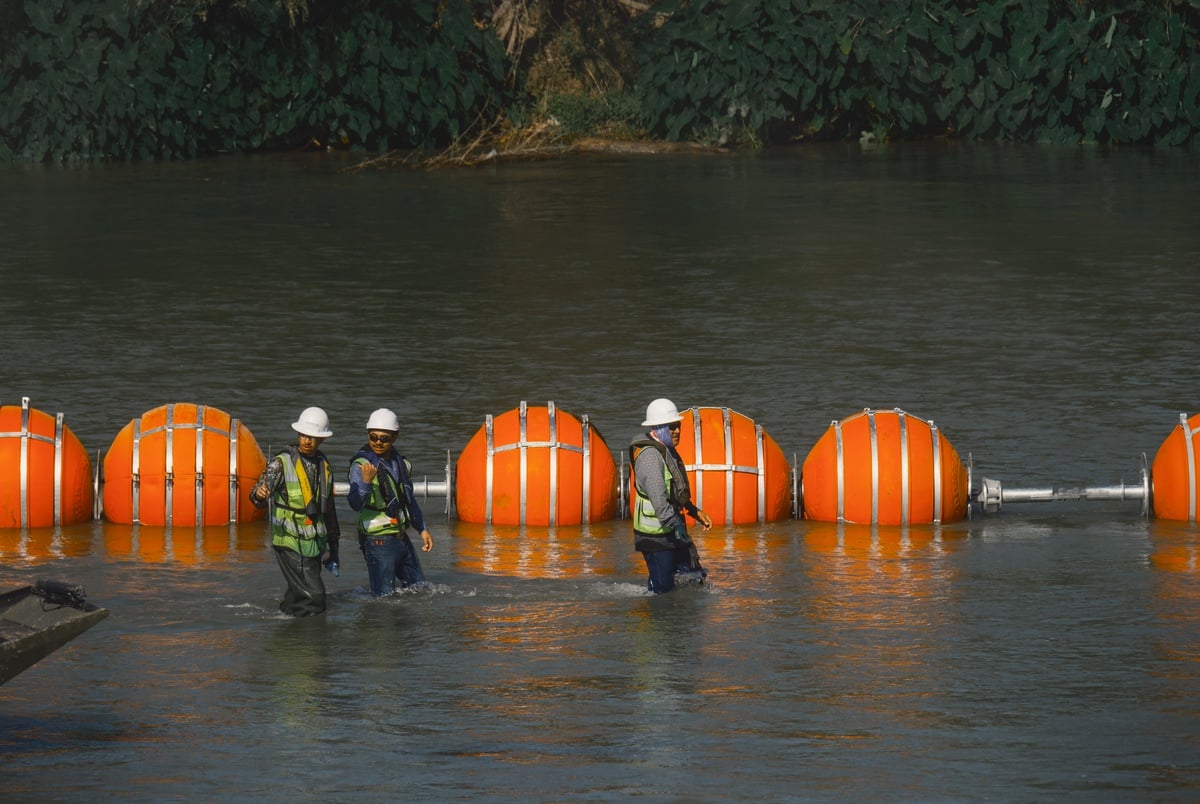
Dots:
(373, 518)
(645, 519)
(297, 509)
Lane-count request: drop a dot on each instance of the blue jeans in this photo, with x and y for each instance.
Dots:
(665, 564)
(408, 566)
(389, 558)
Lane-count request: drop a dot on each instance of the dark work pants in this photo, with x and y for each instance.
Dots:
(305, 594)
(665, 564)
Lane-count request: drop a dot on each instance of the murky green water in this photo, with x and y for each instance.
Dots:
(1040, 305)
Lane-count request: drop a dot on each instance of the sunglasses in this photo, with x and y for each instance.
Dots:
(377, 438)
(675, 426)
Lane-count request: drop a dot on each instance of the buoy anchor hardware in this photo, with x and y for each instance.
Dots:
(992, 495)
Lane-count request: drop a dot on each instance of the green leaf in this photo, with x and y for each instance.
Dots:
(978, 95)
(87, 59)
(965, 35)
(42, 14)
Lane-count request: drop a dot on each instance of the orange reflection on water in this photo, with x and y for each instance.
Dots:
(880, 575)
(1176, 546)
(46, 544)
(1175, 558)
(190, 546)
(187, 546)
(883, 599)
(541, 552)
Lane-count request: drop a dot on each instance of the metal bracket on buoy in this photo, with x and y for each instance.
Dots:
(797, 491)
(623, 487)
(992, 495)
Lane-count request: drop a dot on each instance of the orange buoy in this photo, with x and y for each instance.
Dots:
(884, 468)
(45, 474)
(536, 466)
(1175, 482)
(182, 464)
(737, 472)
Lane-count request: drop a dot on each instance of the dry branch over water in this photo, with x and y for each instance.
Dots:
(543, 140)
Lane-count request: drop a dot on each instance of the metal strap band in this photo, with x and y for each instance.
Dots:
(587, 468)
(58, 468)
(904, 467)
(551, 444)
(169, 486)
(797, 488)
(874, 468)
(135, 469)
(524, 459)
(1191, 465)
(761, 454)
(841, 471)
(727, 429)
(199, 509)
(234, 427)
(97, 497)
(25, 435)
(937, 473)
(550, 411)
(723, 467)
(698, 440)
(489, 431)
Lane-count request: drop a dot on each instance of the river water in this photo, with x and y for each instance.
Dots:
(1040, 305)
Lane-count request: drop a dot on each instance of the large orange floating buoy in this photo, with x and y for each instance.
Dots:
(536, 466)
(1175, 482)
(45, 474)
(737, 472)
(182, 464)
(884, 468)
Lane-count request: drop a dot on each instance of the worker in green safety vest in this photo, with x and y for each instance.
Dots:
(661, 498)
(297, 487)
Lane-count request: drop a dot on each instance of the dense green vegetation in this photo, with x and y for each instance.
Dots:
(86, 79)
(134, 79)
(1058, 71)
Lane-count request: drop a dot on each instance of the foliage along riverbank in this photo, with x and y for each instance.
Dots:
(469, 81)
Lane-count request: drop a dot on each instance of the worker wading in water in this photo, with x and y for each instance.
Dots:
(382, 494)
(297, 487)
(662, 498)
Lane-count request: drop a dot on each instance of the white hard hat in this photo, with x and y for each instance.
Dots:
(313, 422)
(383, 419)
(661, 411)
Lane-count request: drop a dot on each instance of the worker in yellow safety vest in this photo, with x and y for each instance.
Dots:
(382, 494)
(662, 496)
(297, 488)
